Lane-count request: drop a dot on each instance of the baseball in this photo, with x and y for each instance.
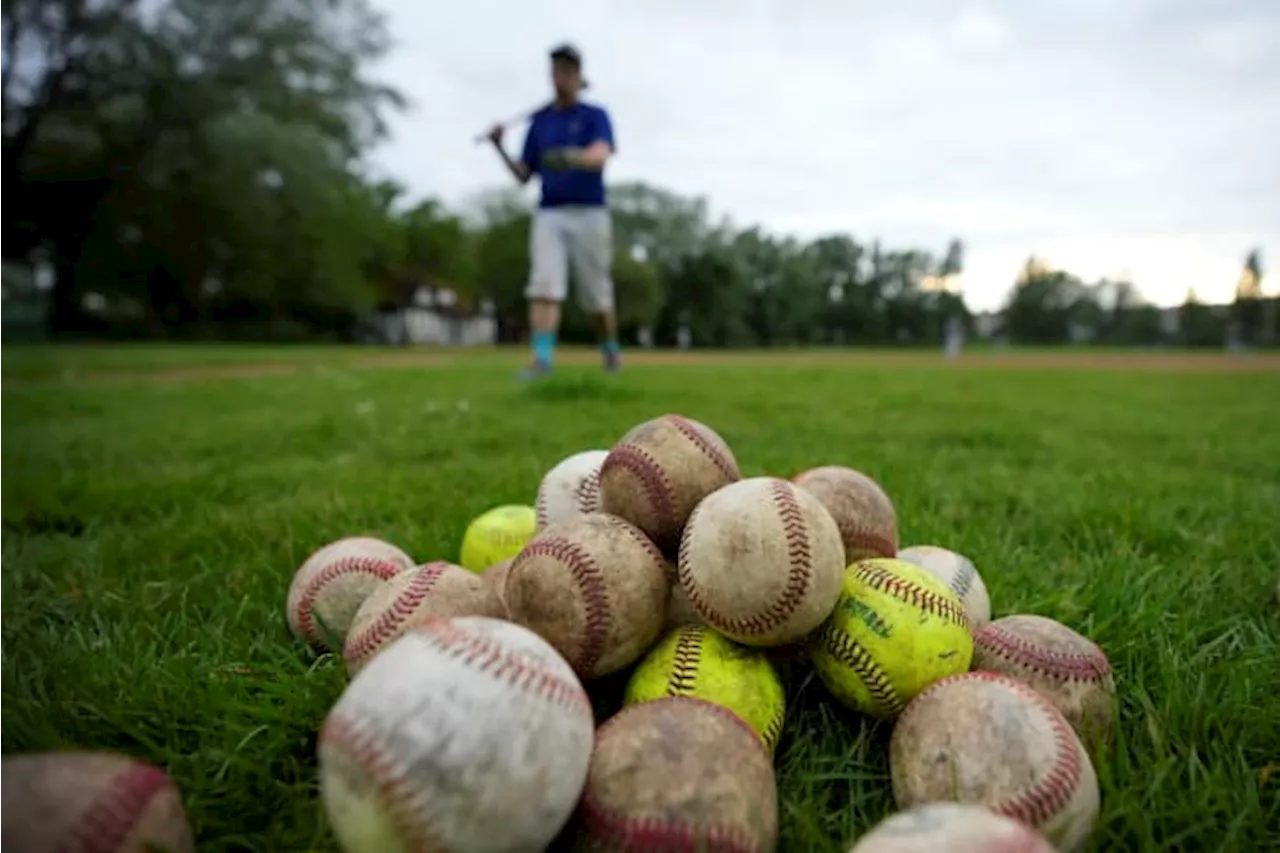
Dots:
(464, 734)
(571, 488)
(957, 572)
(76, 802)
(984, 738)
(678, 774)
(1070, 670)
(593, 587)
(696, 661)
(496, 535)
(431, 590)
(495, 580)
(658, 472)
(332, 584)
(895, 630)
(863, 512)
(951, 828)
(761, 561)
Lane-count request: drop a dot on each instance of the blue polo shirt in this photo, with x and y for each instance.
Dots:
(550, 131)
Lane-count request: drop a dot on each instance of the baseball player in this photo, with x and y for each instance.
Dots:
(567, 145)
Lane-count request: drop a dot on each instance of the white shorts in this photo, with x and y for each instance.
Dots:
(581, 236)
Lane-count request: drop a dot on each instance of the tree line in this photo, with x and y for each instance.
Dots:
(199, 170)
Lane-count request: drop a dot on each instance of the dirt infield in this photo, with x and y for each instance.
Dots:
(1163, 362)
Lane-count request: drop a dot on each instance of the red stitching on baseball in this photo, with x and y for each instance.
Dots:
(638, 535)
(859, 539)
(380, 568)
(653, 834)
(370, 638)
(521, 671)
(1021, 651)
(108, 821)
(540, 509)
(644, 468)
(395, 792)
(727, 464)
(684, 663)
(879, 578)
(590, 583)
(1045, 798)
(588, 492)
(799, 558)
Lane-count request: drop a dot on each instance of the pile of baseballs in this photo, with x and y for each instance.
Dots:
(467, 723)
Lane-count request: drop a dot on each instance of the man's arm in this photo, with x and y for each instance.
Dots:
(520, 169)
(595, 155)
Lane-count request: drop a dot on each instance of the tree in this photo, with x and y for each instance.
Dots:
(124, 108)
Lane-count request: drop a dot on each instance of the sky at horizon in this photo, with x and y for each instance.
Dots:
(1132, 140)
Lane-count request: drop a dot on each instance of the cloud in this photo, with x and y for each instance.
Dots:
(1107, 137)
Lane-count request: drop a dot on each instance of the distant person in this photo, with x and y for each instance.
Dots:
(567, 145)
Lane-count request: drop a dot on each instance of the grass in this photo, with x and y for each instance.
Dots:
(152, 524)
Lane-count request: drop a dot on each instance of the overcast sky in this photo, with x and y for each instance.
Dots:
(1108, 136)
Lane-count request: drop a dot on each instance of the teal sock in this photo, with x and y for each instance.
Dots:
(544, 344)
(610, 347)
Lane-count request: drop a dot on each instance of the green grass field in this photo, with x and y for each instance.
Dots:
(155, 509)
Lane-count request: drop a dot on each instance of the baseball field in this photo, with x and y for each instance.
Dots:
(156, 502)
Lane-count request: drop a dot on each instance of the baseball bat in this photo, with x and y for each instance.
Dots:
(517, 119)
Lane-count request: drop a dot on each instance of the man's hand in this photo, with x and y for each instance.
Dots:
(495, 134)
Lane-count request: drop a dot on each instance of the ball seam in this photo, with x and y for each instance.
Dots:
(799, 561)
(684, 664)
(105, 825)
(403, 803)
(589, 581)
(851, 653)
(525, 674)
(883, 580)
(376, 566)
(727, 465)
(368, 639)
(641, 465)
(1067, 666)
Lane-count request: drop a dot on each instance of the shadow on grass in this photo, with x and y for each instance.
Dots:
(580, 388)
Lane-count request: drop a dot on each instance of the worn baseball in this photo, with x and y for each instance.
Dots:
(895, 630)
(495, 581)
(761, 561)
(678, 774)
(595, 588)
(571, 488)
(863, 512)
(984, 738)
(696, 661)
(1067, 668)
(90, 802)
(958, 573)
(464, 734)
(332, 584)
(951, 828)
(426, 592)
(658, 472)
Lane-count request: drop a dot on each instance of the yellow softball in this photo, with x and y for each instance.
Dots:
(895, 630)
(693, 660)
(496, 535)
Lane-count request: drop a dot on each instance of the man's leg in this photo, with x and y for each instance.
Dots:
(548, 282)
(591, 252)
